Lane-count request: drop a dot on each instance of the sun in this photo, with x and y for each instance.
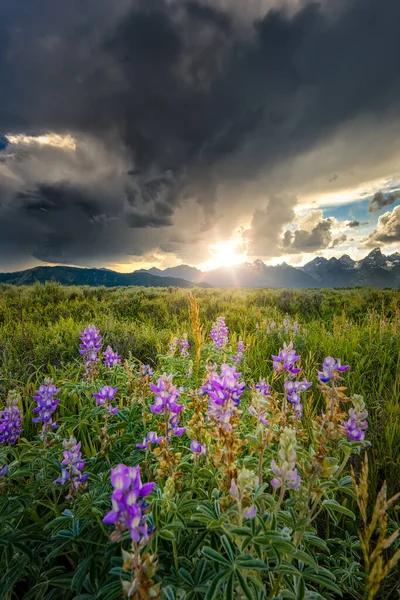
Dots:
(224, 254)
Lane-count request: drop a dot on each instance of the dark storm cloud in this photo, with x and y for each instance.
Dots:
(353, 224)
(187, 94)
(380, 200)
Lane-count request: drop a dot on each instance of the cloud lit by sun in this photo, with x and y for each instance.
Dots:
(226, 253)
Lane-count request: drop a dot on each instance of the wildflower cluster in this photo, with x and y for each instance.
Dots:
(11, 419)
(46, 406)
(181, 344)
(111, 358)
(220, 333)
(72, 467)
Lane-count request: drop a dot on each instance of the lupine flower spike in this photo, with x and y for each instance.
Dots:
(72, 467)
(128, 506)
(197, 448)
(184, 346)
(146, 371)
(90, 347)
(11, 419)
(111, 358)
(357, 424)
(286, 360)
(220, 333)
(46, 406)
(285, 472)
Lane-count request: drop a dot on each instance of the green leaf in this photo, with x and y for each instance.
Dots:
(215, 556)
(245, 588)
(305, 558)
(319, 580)
(166, 534)
(198, 540)
(228, 547)
(186, 576)
(335, 506)
(248, 562)
(230, 588)
(168, 593)
(215, 583)
(301, 589)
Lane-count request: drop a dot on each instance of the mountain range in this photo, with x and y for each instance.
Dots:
(375, 270)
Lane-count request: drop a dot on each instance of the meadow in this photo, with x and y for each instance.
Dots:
(119, 481)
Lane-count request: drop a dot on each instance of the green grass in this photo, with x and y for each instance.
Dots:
(52, 550)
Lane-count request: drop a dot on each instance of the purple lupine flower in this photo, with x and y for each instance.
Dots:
(263, 387)
(260, 414)
(128, 506)
(197, 448)
(219, 333)
(174, 427)
(3, 470)
(11, 419)
(293, 389)
(146, 371)
(331, 370)
(250, 512)
(224, 392)
(184, 346)
(174, 343)
(46, 405)
(286, 472)
(72, 466)
(240, 351)
(151, 438)
(105, 396)
(90, 347)
(286, 359)
(357, 424)
(166, 396)
(111, 358)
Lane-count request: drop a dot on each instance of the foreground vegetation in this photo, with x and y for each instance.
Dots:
(254, 496)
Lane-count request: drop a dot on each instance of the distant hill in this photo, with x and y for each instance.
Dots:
(374, 270)
(92, 277)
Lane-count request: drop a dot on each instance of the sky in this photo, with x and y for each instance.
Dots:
(145, 133)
